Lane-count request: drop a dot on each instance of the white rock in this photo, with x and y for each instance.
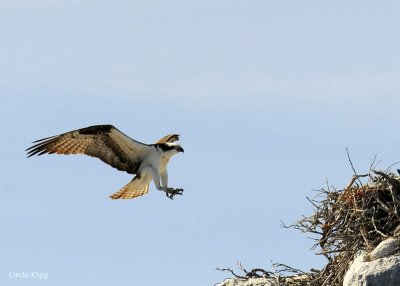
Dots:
(380, 272)
(385, 249)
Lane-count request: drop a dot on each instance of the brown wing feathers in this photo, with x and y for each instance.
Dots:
(96, 141)
(73, 142)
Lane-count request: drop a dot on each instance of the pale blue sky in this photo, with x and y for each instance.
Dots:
(265, 94)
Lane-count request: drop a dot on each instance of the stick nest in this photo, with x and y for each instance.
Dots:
(358, 217)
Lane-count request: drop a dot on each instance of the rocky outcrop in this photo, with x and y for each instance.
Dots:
(380, 267)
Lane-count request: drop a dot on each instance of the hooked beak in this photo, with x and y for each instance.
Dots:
(180, 149)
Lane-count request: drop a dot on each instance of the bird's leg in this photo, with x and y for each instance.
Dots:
(156, 179)
(164, 180)
(169, 192)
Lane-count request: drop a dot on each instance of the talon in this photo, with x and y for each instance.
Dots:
(171, 192)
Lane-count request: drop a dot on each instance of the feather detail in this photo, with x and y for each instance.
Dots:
(134, 189)
(101, 141)
(169, 138)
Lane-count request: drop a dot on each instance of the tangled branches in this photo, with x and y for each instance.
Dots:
(282, 275)
(358, 217)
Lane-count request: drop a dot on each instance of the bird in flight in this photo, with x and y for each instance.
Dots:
(146, 161)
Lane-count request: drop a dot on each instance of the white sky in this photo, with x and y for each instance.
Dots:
(266, 97)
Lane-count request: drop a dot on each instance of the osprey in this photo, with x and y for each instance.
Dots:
(146, 161)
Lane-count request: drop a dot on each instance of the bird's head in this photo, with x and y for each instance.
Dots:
(175, 148)
(179, 148)
(170, 149)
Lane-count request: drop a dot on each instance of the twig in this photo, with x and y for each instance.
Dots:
(231, 271)
(351, 164)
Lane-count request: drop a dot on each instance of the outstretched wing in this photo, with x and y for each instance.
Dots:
(101, 141)
(169, 138)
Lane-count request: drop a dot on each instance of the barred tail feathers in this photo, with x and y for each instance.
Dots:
(136, 188)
